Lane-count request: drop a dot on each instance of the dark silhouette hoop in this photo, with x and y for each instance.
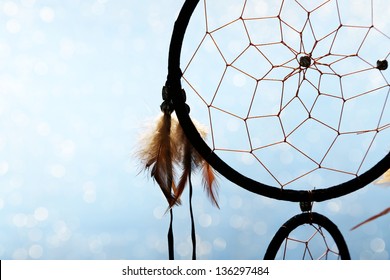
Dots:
(173, 84)
(307, 218)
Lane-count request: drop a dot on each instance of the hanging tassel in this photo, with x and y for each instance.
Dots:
(161, 150)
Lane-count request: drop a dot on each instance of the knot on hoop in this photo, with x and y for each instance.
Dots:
(167, 105)
(307, 205)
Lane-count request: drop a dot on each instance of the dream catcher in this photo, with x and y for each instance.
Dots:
(296, 97)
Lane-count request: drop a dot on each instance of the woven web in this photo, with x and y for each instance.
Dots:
(291, 89)
(309, 242)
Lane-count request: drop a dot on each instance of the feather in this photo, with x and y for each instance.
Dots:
(209, 182)
(385, 179)
(157, 156)
(208, 173)
(384, 212)
(190, 159)
(187, 169)
(183, 156)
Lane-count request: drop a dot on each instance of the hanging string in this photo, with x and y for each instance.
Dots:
(170, 237)
(193, 232)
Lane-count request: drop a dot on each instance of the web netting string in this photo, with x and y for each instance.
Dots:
(315, 245)
(296, 93)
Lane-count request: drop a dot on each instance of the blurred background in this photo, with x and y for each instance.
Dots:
(79, 82)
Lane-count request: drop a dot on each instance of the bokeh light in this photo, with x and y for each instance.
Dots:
(79, 81)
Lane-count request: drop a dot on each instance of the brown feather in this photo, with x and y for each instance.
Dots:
(209, 182)
(191, 159)
(157, 155)
(187, 169)
(208, 174)
(183, 157)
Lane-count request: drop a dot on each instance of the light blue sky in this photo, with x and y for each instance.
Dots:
(79, 81)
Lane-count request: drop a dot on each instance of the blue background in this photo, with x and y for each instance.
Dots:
(79, 81)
